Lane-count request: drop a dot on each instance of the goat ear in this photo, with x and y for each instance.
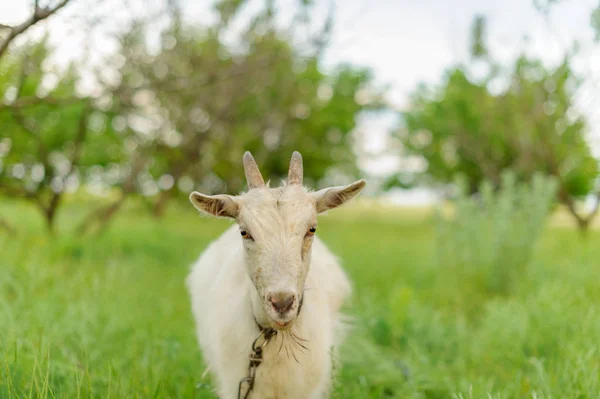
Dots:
(332, 197)
(217, 205)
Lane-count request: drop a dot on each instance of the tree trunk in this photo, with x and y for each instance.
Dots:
(583, 226)
(50, 215)
(102, 216)
(161, 204)
(4, 225)
(583, 222)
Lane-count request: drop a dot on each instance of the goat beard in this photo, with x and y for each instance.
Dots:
(294, 345)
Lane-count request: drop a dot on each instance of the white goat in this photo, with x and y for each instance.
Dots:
(270, 275)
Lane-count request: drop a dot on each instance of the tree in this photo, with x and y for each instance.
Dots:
(165, 118)
(53, 137)
(197, 103)
(8, 33)
(50, 136)
(529, 126)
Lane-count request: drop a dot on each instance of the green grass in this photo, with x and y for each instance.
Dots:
(109, 317)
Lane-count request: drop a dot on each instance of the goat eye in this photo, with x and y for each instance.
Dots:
(311, 231)
(245, 234)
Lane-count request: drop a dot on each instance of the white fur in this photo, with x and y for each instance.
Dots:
(221, 302)
(244, 277)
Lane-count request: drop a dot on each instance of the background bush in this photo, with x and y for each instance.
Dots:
(489, 239)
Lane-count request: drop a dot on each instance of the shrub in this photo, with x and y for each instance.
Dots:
(486, 244)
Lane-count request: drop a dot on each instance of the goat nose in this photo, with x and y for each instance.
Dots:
(282, 301)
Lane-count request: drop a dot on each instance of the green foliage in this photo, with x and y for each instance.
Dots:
(227, 9)
(595, 21)
(178, 115)
(209, 102)
(110, 316)
(50, 137)
(522, 119)
(529, 127)
(478, 44)
(489, 239)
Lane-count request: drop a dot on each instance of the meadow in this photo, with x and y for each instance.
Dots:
(109, 317)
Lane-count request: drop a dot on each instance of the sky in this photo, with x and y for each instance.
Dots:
(406, 42)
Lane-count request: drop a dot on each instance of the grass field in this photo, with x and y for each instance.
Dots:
(109, 317)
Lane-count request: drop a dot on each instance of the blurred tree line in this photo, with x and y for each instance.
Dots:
(166, 119)
(169, 117)
(519, 118)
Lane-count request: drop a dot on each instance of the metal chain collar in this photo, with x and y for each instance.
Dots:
(256, 358)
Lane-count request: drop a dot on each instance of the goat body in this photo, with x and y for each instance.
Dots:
(297, 361)
(270, 270)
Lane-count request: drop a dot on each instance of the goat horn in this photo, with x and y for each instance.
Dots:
(296, 171)
(253, 176)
